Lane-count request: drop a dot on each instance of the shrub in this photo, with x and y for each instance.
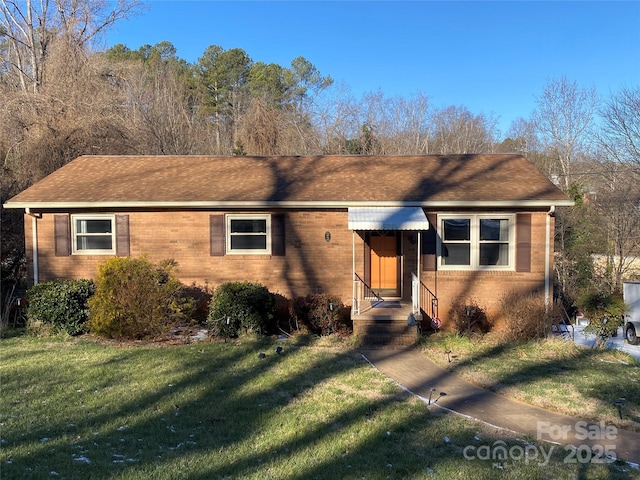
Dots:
(62, 305)
(137, 299)
(284, 317)
(37, 328)
(605, 313)
(476, 322)
(525, 317)
(322, 314)
(201, 295)
(241, 307)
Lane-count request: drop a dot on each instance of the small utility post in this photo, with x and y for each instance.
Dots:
(469, 313)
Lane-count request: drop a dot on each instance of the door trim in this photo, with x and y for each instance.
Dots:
(388, 293)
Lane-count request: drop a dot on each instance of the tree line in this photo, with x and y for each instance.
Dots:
(62, 96)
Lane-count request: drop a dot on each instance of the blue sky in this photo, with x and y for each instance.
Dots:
(492, 57)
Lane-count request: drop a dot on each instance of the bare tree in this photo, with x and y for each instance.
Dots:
(77, 111)
(159, 104)
(617, 202)
(394, 125)
(381, 125)
(620, 137)
(563, 118)
(31, 27)
(457, 130)
(259, 131)
(521, 137)
(336, 118)
(409, 125)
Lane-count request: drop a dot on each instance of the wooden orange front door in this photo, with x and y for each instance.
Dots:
(384, 261)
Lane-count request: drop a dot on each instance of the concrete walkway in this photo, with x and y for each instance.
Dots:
(412, 370)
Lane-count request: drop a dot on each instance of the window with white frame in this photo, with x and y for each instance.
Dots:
(93, 234)
(477, 241)
(248, 234)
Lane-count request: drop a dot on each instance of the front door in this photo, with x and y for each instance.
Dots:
(385, 262)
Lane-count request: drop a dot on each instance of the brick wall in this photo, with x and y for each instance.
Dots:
(489, 287)
(311, 264)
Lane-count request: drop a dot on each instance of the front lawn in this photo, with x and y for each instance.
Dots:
(80, 409)
(554, 374)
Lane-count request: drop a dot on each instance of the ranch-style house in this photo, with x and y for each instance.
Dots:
(395, 237)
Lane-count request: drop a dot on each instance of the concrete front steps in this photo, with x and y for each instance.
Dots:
(386, 324)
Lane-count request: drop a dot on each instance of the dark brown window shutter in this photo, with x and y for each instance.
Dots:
(277, 235)
(62, 235)
(429, 239)
(122, 235)
(216, 234)
(523, 242)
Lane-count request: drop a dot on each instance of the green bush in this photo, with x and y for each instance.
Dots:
(201, 295)
(477, 322)
(61, 305)
(322, 314)
(241, 307)
(605, 313)
(137, 299)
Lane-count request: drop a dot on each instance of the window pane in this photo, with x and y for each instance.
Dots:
(494, 254)
(456, 254)
(494, 229)
(456, 229)
(248, 242)
(94, 242)
(249, 226)
(93, 226)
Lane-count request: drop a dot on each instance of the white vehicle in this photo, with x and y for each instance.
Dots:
(631, 294)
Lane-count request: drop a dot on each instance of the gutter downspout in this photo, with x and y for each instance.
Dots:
(419, 250)
(34, 243)
(547, 259)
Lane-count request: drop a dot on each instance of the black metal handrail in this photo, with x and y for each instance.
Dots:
(428, 301)
(363, 292)
(369, 293)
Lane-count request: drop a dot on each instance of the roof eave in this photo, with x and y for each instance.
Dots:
(204, 205)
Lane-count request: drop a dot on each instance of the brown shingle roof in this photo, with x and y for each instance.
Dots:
(292, 180)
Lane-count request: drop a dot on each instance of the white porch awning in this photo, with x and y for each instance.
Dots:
(387, 218)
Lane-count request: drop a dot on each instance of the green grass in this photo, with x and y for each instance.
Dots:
(78, 409)
(553, 374)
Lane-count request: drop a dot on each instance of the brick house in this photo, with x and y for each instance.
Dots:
(417, 231)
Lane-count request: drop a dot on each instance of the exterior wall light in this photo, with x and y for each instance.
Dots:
(327, 236)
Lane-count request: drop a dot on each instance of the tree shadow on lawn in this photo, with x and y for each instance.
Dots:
(605, 389)
(197, 419)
